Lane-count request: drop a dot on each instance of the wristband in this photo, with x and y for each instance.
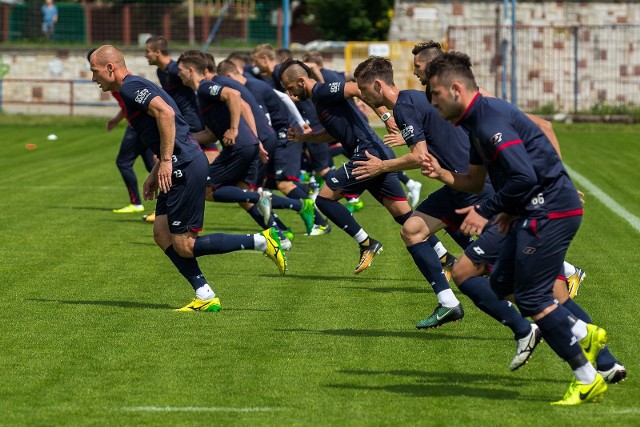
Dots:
(386, 116)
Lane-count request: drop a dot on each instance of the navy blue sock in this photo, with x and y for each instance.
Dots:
(319, 219)
(605, 359)
(221, 243)
(479, 291)
(277, 222)
(339, 215)
(556, 331)
(279, 202)
(257, 217)
(231, 194)
(429, 265)
(297, 193)
(188, 267)
(401, 219)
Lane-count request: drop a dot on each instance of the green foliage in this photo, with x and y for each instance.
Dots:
(352, 20)
(602, 109)
(89, 338)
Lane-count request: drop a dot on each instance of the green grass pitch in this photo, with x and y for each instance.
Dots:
(89, 337)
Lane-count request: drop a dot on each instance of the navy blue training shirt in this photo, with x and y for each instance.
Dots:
(418, 120)
(343, 120)
(217, 117)
(278, 113)
(184, 96)
(137, 93)
(527, 173)
(259, 114)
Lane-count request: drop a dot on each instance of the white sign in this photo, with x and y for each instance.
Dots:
(379, 49)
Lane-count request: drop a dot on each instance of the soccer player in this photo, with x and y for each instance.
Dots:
(567, 284)
(131, 147)
(177, 180)
(342, 122)
(315, 58)
(535, 203)
(283, 167)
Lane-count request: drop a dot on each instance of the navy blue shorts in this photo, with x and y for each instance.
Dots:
(284, 160)
(235, 165)
(184, 203)
(384, 186)
(531, 257)
(485, 249)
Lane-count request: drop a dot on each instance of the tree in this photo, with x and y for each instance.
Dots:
(352, 19)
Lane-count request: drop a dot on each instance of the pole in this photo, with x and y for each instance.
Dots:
(505, 5)
(190, 13)
(575, 69)
(286, 25)
(514, 55)
(214, 30)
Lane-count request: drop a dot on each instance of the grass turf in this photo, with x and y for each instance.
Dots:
(89, 338)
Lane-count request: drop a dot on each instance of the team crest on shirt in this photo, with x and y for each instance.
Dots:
(529, 250)
(334, 87)
(214, 90)
(497, 138)
(142, 95)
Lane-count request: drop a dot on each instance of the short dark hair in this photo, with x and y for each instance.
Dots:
(90, 53)
(427, 50)
(244, 57)
(452, 66)
(194, 58)
(375, 67)
(283, 53)
(313, 56)
(292, 68)
(226, 66)
(159, 43)
(211, 62)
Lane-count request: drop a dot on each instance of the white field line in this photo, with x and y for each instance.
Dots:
(196, 409)
(606, 200)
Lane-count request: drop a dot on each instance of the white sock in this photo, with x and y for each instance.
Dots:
(205, 292)
(586, 374)
(569, 270)
(440, 250)
(139, 206)
(579, 330)
(361, 236)
(354, 200)
(447, 298)
(260, 242)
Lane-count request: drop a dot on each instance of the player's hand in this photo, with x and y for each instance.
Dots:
(229, 137)
(164, 176)
(394, 140)
(429, 166)
(505, 222)
(581, 195)
(391, 126)
(111, 124)
(473, 223)
(306, 129)
(150, 187)
(263, 154)
(367, 168)
(293, 135)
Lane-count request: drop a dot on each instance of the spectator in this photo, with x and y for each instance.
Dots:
(49, 18)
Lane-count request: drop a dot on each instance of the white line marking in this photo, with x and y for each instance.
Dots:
(195, 409)
(614, 206)
(628, 411)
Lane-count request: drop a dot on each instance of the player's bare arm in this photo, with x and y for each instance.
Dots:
(321, 136)
(375, 166)
(166, 121)
(234, 103)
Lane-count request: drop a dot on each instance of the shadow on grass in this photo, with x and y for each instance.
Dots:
(344, 278)
(392, 289)
(449, 384)
(122, 304)
(367, 333)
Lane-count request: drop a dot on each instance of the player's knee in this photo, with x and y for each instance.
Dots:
(413, 231)
(183, 248)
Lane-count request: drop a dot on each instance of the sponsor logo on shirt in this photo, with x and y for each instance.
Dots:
(407, 132)
(497, 138)
(334, 87)
(214, 90)
(142, 95)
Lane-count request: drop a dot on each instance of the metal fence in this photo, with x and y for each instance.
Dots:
(558, 69)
